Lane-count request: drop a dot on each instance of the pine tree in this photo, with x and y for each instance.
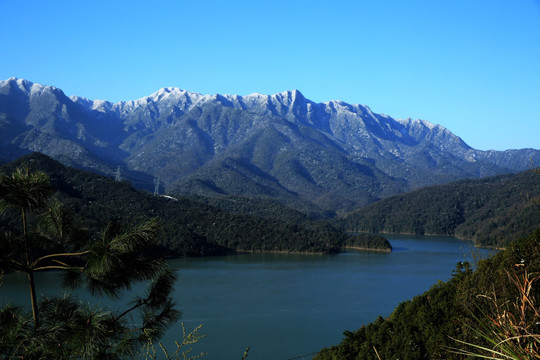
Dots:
(64, 327)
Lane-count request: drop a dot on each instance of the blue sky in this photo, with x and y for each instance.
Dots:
(471, 66)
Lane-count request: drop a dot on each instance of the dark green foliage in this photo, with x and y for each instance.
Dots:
(492, 211)
(187, 227)
(69, 330)
(423, 328)
(63, 328)
(121, 257)
(274, 211)
(367, 241)
(23, 190)
(264, 208)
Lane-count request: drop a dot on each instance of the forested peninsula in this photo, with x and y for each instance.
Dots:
(187, 227)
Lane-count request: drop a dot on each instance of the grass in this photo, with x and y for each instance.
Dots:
(509, 330)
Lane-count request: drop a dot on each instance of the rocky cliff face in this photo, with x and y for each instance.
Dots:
(329, 156)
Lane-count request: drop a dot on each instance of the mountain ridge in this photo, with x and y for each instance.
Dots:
(329, 156)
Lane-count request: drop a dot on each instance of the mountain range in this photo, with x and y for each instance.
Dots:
(322, 158)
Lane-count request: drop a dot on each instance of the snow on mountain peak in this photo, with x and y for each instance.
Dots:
(174, 94)
(257, 95)
(286, 103)
(167, 92)
(28, 86)
(424, 123)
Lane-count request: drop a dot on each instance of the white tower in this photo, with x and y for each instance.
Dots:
(156, 186)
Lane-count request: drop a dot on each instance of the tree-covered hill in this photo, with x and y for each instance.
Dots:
(491, 211)
(189, 228)
(426, 326)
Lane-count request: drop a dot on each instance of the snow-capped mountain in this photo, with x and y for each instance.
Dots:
(328, 156)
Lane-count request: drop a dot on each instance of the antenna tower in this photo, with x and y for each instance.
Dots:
(118, 176)
(156, 186)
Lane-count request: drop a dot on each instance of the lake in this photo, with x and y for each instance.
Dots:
(290, 306)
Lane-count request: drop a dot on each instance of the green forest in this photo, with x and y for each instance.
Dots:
(187, 226)
(491, 211)
(491, 304)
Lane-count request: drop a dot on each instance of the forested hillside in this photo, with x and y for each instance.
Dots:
(430, 325)
(491, 211)
(188, 228)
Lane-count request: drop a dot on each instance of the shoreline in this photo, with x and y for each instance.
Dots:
(367, 249)
(241, 251)
(430, 234)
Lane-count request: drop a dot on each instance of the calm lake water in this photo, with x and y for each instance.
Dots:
(290, 306)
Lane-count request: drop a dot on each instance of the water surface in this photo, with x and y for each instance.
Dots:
(288, 306)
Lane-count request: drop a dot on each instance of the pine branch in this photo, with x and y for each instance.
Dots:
(37, 261)
(139, 303)
(59, 267)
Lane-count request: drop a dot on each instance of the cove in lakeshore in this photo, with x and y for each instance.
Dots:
(287, 306)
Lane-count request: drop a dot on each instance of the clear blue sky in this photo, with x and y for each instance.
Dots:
(471, 66)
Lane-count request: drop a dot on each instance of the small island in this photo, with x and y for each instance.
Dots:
(368, 242)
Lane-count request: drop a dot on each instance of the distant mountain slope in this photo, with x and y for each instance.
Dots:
(492, 211)
(326, 157)
(188, 228)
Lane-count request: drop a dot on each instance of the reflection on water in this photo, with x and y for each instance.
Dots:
(285, 306)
